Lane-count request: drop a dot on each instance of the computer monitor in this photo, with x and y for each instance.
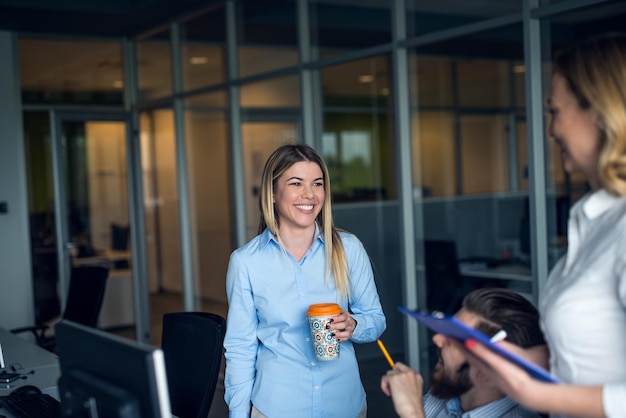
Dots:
(104, 375)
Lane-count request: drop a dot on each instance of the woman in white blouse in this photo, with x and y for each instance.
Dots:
(583, 306)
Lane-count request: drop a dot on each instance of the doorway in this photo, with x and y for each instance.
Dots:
(79, 209)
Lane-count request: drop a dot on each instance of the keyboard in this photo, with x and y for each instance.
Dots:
(32, 406)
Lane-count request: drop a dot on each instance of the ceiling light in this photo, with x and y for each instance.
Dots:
(118, 84)
(366, 78)
(199, 60)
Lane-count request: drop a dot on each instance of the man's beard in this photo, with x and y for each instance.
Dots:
(447, 385)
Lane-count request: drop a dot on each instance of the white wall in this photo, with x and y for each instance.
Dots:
(16, 302)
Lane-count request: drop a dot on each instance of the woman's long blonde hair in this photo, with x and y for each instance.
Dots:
(595, 71)
(279, 162)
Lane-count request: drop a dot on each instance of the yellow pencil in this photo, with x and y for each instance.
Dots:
(386, 353)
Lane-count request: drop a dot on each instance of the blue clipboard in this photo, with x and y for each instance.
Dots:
(451, 327)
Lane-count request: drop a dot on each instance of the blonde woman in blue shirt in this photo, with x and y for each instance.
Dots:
(298, 258)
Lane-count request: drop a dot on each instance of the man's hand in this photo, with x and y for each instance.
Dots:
(405, 386)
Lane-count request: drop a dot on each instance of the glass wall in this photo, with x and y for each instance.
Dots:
(208, 170)
(336, 30)
(358, 140)
(464, 121)
(71, 72)
(267, 36)
(428, 17)
(203, 50)
(161, 211)
(41, 199)
(154, 66)
(358, 145)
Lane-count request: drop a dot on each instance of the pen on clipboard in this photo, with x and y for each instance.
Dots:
(386, 353)
(1, 358)
(498, 336)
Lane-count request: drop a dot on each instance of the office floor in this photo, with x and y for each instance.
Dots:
(379, 406)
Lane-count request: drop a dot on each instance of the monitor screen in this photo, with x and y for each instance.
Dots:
(104, 375)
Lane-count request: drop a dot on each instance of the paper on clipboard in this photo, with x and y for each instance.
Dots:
(452, 327)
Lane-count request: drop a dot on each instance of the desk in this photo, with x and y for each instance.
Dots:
(43, 364)
(117, 306)
(514, 271)
(104, 258)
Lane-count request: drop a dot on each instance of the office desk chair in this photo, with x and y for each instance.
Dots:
(445, 287)
(192, 348)
(84, 301)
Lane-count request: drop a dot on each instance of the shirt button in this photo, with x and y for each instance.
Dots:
(302, 294)
(312, 363)
(317, 387)
(308, 339)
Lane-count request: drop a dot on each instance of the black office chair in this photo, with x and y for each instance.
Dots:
(84, 301)
(120, 238)
(192, 347)
(445, 287)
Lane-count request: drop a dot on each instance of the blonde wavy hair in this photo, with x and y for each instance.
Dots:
(279, 162)
(595, 71)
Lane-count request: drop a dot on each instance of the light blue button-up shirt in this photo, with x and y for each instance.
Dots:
(451, 408)
(269, 354)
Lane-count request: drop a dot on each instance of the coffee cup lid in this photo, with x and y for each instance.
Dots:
(323, 309)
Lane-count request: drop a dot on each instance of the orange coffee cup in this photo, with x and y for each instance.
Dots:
(325, 345)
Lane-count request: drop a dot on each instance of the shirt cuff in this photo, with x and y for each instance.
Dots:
(614, 400)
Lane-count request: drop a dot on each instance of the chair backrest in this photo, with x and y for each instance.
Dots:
(120, 235)
(86, 293)
(192, 347)
(444, 284)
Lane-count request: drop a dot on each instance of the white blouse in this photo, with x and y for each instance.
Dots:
(583, 307)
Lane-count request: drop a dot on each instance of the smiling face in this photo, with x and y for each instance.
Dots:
(575, 130)
(450, 377)
(299, 196)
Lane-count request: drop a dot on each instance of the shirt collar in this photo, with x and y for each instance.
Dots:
(267, 236)
(490, 410)
(598, 202)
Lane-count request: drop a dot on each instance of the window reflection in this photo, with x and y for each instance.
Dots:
(71, 71)
(277, 92)
(207, 158)
(158, 159)
(430, 16)
(267, 36)
(154, 65)
(335, 30)
(358, 142)
(203, 50)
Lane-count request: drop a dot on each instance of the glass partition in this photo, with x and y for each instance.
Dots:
(465, 142)
(358, 140)
(207, 145)
(78, 72)
(267, 36)
(280, 92)
(41, 200)
(158, 159)
(154, 66)
(203, 50)
(339, 27)
(358, 145)
(431, 16)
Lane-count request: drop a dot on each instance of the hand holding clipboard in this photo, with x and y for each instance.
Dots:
(452, 327)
